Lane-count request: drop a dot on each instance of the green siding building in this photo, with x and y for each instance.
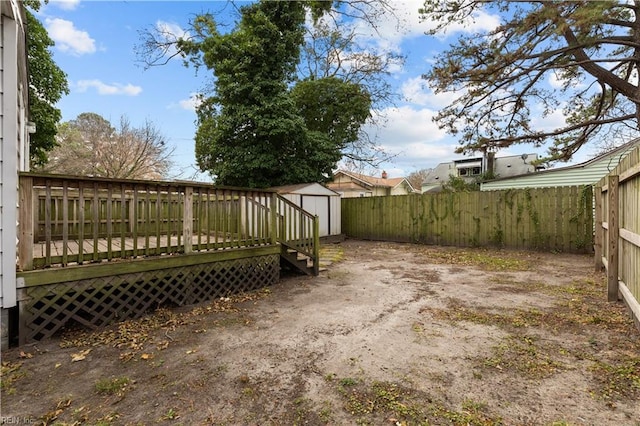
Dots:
(587, 173)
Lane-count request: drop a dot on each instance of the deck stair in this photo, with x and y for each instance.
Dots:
(297, 260)
(298, 234)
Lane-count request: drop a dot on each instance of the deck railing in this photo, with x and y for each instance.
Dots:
(71, 220)
(66, 220)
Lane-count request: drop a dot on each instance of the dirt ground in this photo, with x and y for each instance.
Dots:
(388, 334)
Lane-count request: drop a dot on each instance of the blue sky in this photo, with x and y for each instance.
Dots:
(95, 43)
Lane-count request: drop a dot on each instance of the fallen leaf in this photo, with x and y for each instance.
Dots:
(189, 352)
(26, 355)
(80, 356)
(58, 365)
(146, 356)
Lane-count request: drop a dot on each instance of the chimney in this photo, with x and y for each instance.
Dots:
(384, 174)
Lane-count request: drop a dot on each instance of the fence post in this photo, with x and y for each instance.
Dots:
(25, 222)
(597, 247)
(187, 220)
(614, 231)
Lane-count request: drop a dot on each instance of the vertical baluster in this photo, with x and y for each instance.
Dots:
(81, 223)
(109, 220)
(123, 224)
(65, 222)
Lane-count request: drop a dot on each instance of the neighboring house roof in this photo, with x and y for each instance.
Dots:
(586, 173)
(371, 181)
(305, 189)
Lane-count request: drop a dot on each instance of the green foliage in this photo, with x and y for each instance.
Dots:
(255, 130)
(502, 75)
(458, 184)
(333, 107)
(47, 84)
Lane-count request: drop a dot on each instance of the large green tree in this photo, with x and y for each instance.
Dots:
(267, 122)
(588, 50)
(255, 130)
(47, 84)
(249, 132)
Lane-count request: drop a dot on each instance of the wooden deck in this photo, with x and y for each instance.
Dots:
(92, 251)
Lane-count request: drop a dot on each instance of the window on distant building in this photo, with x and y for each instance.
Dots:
(469, 171)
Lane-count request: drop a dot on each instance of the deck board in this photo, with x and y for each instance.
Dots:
(140, 243)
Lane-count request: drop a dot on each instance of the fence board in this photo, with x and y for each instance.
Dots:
(619, 238)
(547, 219)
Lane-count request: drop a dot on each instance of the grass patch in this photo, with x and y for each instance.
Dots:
(525, 355)
(392, 403)
(113, 386)
(617, 380)
(489, 260)
(10, 372)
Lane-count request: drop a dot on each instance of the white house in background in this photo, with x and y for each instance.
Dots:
(319, 201)
(471, 168)
(587, 173)
(350, 184)
(14, 145)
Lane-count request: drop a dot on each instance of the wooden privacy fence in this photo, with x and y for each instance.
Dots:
(617, 242)
(543, 219)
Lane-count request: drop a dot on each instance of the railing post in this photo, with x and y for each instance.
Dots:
(25, 223)
(597, 247)
(614, 232)
(274, 218)
(316, 245)
(187, 221)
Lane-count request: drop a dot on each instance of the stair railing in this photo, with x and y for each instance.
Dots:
(297, 229)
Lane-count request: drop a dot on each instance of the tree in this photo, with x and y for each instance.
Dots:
(590, 50)
(47, 84)
(258, 128)
(230, 154)
(91, 146)
(249, 132)
(416, 178)
(336, 50)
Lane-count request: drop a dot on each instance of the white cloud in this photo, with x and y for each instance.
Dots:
(170, 32)
(68, 38)
(192, 103)
(65, 4)
(405, 23)
(549, 122)
(412, 136)
(417, 91)
(108, 89)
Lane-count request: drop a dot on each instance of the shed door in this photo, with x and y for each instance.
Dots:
(318, 205)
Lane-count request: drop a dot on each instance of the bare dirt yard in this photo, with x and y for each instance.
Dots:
(388, 334)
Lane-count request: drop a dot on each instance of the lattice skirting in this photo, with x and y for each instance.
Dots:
(46, 309)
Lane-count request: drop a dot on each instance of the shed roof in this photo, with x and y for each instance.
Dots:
(305, 189)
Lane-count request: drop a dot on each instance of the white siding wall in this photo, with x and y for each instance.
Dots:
(12, 130)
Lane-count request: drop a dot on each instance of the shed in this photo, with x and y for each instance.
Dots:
(317, 200)
(587, 173)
